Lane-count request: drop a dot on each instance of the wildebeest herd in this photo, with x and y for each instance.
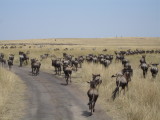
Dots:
(68, 63)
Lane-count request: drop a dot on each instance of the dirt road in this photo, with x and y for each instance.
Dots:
(49, 98)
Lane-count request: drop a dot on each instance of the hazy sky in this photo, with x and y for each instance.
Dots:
(27, 19)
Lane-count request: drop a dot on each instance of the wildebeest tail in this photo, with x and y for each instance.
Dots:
(115, 92)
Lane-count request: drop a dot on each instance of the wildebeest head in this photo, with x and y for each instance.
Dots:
(119, 74)
(94, 76)
(97, 79)
(155, 64)
(143, 56)
(92, 84)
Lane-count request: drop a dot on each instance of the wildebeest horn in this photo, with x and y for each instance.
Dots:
(113, 76)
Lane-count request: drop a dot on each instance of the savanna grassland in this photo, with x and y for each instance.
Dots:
(141, 101)
(12, 91)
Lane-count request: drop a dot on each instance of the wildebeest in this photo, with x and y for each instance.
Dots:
(10, 63)
(144, 67)
(119, 57)
(75, 63)
(154, 70)
(80, 61)
(92, 95)
(10, 60)
(105, 50)
(11, 57)
(143, 59)
(93, 91)
(35, 65)
(121, 81)
(2, 60)
(128, 71)
(95, 59)
(68, 72)
(23, 57)
(57, 65)
(106, 63)
(44, 56)
(124, 62)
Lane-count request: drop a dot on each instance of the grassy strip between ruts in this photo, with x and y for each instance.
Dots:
(12, 97)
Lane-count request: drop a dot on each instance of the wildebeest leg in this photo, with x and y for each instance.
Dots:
(32, 70)
(154, 75)
(33, 73)
(144, 74)
(21, 63)
(69, 76)
(76, 67)
(95, 99)
(67, 79)
(92, 103)
(36, 71)
(80, 64)
(9, 67)
(90, 98)
(60, 70)
(123, 87)
(56, 70)
(26, 61)
(126, 86)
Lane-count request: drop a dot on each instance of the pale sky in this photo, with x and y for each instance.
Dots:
(35, 19)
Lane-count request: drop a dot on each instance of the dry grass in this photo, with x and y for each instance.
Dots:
(11, 96)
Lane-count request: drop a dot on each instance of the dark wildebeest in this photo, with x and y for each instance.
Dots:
(75, 63)
(106, 63)
(2, 60)
(124, 62)
(10, 63)
(119, 57)
(68, 72)
(95, 59)
(144, 67)
(11, 57)
(45, 56)
(121, 81)
(35, 65)
(80, 61)
(10, 60)
(93, 95)
(23, 57)
(93, 91)
(142, 60)
(154, 70)
(128, 71)
(57, 65)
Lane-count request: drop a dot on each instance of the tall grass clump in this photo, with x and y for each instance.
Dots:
(11, 96)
